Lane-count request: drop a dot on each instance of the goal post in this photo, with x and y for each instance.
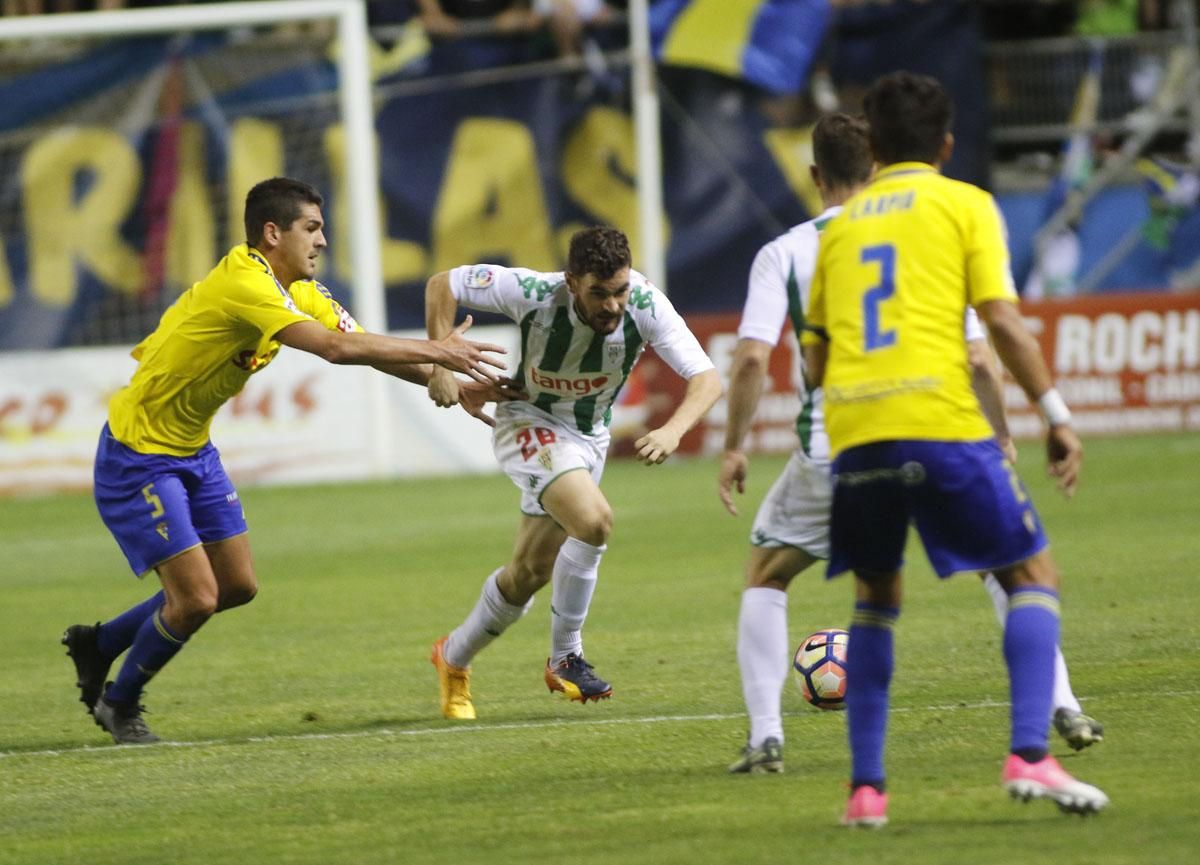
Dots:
(348, 159)
(354, 95)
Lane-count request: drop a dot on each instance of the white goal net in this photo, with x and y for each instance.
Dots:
(128, 142)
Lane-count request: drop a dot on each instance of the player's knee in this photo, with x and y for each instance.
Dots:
(596, 528)
(237, 596)
(766, 578)
(1039, 571)
(189, 612)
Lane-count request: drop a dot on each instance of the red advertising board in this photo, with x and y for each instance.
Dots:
(1124, 363)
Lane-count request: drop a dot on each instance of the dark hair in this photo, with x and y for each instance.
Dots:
(277, 200)
(909, 115)
(599, 250)
(842, 150)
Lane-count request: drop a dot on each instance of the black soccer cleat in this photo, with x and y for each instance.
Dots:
(575, 678)
(91, 667)
(1077, 729)
(123, 722)
(766, 758)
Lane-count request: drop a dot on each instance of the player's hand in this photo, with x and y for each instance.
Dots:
(656, 445)
(473, 396)
(1064, 457)
(438, 23)
(465, 356)
(1009, 448)
(443, 387)
(732, 475)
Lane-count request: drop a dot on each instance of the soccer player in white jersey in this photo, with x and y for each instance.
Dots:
(791, 529)
(582, 331)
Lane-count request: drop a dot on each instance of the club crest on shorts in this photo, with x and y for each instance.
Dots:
(546, 460)
(479, 276)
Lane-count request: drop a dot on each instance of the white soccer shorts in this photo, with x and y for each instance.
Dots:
(795, 512)
(534, 448)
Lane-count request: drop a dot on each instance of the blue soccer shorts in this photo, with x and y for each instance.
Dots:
(157, 506)
(970, 508)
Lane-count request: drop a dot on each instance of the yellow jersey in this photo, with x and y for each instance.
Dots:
(896, 271)
(207, 344)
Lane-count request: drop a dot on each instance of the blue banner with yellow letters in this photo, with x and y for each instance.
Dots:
(123, 171)
(122, 184)
(770, 43)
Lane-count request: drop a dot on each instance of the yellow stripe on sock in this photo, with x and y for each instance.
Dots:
(871, 619)
(161, 628)
(1034, 599)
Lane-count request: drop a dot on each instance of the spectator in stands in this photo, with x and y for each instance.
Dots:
(449, 18)
(477, 34)
(568, 20)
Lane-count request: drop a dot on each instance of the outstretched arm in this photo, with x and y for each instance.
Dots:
(440, 308)
(355, 347)
(1022, 356)
(703, 390)
(473, 396)
(746, 377)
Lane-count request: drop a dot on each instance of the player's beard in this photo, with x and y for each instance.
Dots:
(598, 322)
(604, 325)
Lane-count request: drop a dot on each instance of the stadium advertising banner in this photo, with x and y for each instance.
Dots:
(300, 420)
(1124, 363)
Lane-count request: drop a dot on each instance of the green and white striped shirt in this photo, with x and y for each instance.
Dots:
(571, 371)
(779, 282)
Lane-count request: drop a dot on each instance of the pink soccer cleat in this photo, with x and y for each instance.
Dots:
(867, 807)
(1045, 779)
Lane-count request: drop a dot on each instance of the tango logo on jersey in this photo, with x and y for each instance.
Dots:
(479, 276)
(570, 385)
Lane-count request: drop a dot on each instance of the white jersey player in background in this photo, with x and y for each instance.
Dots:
(582, 331)
(791, 529)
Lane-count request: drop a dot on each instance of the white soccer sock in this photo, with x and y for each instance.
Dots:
(1064, 697)
(575, 572)
(490, 617)
(999, 597)
(762, 650)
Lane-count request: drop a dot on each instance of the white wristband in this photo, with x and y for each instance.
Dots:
(1054, 408)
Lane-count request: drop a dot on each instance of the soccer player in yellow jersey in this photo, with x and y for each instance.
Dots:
(159, 483)
(895, 274)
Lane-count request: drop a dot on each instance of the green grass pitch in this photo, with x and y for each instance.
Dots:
(305, 727)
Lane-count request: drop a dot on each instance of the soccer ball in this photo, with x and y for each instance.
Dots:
(820, 668)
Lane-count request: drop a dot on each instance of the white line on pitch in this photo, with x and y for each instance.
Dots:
(385, 732)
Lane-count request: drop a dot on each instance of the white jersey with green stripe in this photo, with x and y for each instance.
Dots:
(779, 282)
(571, 371)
